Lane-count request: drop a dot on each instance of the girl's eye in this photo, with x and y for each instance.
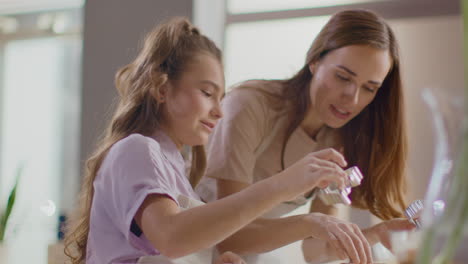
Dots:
(207, 94)
(342, 78)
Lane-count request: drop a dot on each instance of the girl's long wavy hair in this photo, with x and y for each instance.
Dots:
(376, 139)
(164, 56)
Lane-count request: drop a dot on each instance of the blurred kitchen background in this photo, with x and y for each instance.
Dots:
(58, 59)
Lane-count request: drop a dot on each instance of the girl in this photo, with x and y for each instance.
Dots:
(136, 199)
(347, 96)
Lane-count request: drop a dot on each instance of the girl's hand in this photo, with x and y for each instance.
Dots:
(381, 231)
(229, 258)
(317, 169)
(345, 238)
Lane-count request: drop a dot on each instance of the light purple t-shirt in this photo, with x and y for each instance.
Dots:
(135, 167)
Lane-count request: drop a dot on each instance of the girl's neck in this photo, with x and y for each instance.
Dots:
(172, 136)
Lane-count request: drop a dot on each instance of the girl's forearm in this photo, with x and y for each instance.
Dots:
(204, 226)
(317, 251)
(263, 235)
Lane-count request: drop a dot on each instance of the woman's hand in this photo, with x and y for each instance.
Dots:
(229, 258)
(345, 238)
(381, 231)
(316, 169)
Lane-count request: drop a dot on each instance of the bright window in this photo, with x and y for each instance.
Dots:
(251, 6)
(39, 128)
(268, 49)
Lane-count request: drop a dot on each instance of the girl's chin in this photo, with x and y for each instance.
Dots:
(199, 141)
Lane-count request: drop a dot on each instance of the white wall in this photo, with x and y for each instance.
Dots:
(113, 33)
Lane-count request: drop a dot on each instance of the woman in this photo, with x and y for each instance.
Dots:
(348, 96)
(136, 200)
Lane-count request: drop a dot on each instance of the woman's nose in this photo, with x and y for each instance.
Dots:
(351, 94)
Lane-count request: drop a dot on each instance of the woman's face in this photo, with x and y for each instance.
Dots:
(191, 107)
(345, 81)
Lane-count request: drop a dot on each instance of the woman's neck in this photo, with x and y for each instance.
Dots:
(312, 124)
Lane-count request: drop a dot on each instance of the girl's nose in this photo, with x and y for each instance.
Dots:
(217, 111)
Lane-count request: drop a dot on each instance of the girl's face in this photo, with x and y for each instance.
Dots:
(191, 105)
(345, 81)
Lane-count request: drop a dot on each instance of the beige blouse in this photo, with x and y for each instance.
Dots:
(246, 144)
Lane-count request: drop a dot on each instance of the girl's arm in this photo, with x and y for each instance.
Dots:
(263, 234)
(318, 251)
(178, 233)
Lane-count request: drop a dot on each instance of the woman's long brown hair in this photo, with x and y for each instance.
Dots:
(165, 54)
(375, 140)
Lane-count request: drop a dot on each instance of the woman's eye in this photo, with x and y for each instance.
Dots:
(343, 78)
(207, 94)
(369, 89)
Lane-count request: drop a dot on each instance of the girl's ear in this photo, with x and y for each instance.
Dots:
(161, 93)
(313, 67)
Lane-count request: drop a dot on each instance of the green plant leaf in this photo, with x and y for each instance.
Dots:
(11, 202)
(2, 227)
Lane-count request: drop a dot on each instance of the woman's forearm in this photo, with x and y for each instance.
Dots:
(370, 235)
